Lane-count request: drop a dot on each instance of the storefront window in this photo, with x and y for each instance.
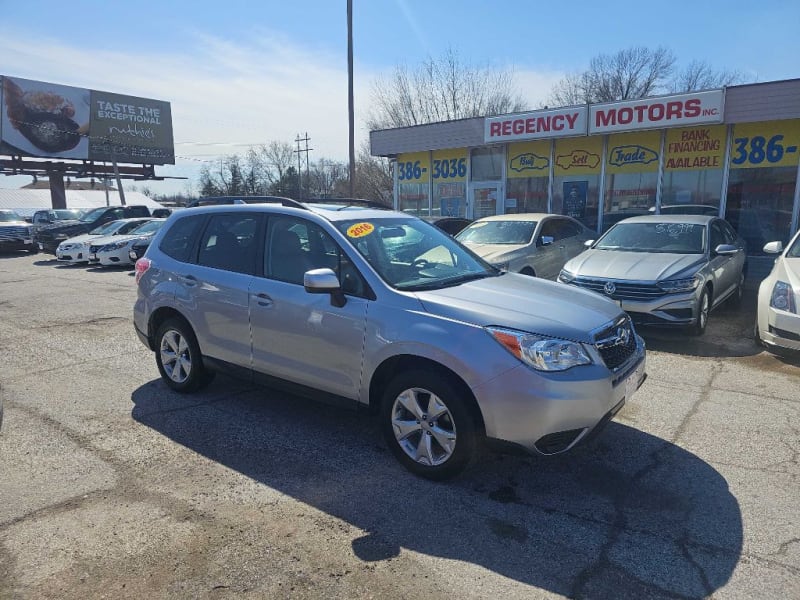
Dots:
(631, 175)
(760, 205)
(576, 178)
(762, 179)
(693, 170)
(528, 173)
(413, 177)
(449, 174)
(413, 199)
(487, 164)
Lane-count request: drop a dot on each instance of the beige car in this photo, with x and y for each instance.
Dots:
(778, 320)
(536, 244)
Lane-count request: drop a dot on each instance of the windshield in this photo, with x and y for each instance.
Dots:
(93, 214)
(7, 216)
(410, 254)
(498, 232)
(675, 238)
(107, 228)
(65, 214)
(149, 227)
(794, 250)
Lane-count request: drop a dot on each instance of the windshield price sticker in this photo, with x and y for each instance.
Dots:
(360, 230)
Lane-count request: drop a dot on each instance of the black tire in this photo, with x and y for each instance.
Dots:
(703, 309)
(420, 387)
(528, 271)
(191, 374)
(33, 250)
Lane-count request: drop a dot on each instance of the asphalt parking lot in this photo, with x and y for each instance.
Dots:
(111, 485)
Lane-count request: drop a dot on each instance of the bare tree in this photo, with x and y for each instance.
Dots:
(272, 160)
(441, 89)
(628, 74)
(699, 75)
(634, 73)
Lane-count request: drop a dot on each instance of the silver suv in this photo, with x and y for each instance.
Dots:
(391, 313)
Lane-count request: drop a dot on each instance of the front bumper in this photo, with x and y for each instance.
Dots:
(550, 413)
(7, 245)
(783, 329)
(74, 255)
(114, 258)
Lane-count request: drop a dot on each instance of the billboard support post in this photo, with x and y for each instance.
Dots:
(119, 184)
(58, 195)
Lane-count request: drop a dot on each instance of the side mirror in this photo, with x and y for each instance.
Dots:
(725, 250)
(547, 240)
(28, 219)
(324, 281)
(588, 243)
(773, 247)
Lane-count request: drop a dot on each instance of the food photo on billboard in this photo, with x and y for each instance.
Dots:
(44, 119)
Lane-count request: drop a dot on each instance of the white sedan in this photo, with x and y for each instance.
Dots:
(75, 250)
(114, 251)
(778, 321)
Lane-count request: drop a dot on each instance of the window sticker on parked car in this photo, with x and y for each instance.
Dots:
(674, 229)
(360, 230)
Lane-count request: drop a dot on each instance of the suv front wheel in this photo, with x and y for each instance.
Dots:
(178, 357)
(427, 424)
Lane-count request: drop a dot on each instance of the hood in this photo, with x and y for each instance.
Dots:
(637, 266)
(67, 227)
(524, 303)
(494, 252)
(15, 224)
(80, 239)
(788, 270)
(110, 239)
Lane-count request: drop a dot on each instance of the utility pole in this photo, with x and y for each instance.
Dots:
(299, 150)
(350, 112)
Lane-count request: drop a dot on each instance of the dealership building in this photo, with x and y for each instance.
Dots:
(734, 152)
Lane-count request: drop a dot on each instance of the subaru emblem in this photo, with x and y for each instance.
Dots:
(623, 335)
(609, 288)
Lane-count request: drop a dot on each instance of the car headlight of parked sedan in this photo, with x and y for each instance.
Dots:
(565, 276)
(673, 286)
(541, 352)
(114, 246)
(783, 297)
(503, 266)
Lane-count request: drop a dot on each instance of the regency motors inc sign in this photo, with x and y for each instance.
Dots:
(48, 120)
(648, 113)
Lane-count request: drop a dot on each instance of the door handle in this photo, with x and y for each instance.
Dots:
(188, 280)
(263, 300)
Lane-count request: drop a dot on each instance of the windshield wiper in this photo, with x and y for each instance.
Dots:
(453, 281)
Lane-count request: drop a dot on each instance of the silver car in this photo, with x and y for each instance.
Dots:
(664, 270)
(535, 244)
(388, 312)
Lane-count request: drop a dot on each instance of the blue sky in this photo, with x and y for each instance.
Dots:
(240, 73)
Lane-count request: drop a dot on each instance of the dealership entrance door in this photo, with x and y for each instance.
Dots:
(485, 200)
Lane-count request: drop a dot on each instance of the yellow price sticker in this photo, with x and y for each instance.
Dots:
(360, 230)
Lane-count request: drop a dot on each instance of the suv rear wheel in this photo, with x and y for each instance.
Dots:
(427, 424)
(178, 357)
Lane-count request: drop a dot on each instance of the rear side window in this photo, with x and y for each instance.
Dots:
(179, 239)
(229, 243)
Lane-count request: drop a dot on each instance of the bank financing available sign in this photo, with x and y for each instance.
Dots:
(48, 120)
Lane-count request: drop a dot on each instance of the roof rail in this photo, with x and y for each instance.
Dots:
(348, 202)
(212, 200)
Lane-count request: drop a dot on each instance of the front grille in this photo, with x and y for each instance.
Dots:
(14, 232)
(787, 335)
(617, 342)
(622, 290)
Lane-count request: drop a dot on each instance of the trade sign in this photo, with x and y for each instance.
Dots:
(655, 113)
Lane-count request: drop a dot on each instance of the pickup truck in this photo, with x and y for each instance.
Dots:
(49, 237)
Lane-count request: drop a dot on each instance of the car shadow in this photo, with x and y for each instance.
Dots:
(729, 333)
(628, 515)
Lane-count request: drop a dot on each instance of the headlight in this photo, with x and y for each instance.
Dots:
(566, 277)
(61, 236)
(541, 352)
(672, 286)
(783, 297)
(114, 246)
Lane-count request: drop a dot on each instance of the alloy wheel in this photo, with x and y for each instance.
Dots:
(423, 427)
(175, 356)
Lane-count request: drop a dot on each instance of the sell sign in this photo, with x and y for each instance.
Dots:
(655, 113)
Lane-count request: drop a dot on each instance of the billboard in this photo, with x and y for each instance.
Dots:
(48, 120)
